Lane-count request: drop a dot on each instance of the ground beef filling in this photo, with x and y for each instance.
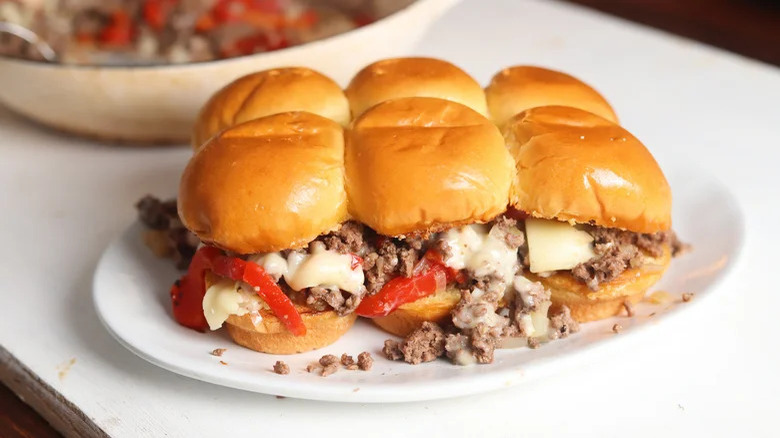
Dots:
(489, 311)
(422, 345)
(384, 258)
(350, 238)
(618, 250)
(166, 235)
(391, 258)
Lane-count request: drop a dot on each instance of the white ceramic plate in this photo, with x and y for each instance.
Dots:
(131, 295)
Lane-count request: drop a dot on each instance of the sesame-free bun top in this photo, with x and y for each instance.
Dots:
(271, 92)
(266, 185)
(576, 166)
(422, 164)
(516, 89)
(410, 77)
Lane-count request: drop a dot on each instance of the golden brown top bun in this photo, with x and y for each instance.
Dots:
(516, 89)
(271, 92)
(421, 164)
(266, 185)
(576, 166)
(409, 77)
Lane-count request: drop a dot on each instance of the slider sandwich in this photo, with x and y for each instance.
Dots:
(596, 203)
(432, 177)
(462, 219)
(598, 209)
(266, 197)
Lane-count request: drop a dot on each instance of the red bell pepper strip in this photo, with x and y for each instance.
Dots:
(430, 275)
(187, 294)
(265, 286)
(119, 31)
(272, 294)
(156, 12)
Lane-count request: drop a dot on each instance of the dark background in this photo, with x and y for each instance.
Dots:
(747, 27)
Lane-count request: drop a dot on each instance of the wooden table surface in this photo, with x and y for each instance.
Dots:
(747, 27)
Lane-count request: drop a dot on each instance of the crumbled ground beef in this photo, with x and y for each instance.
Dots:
(330, 364)
(328, 370)
(176, 241)
(530, 297)
(422, 345)
(653, 244)
(348, 239)
(328, 359)
(347, 360)
(494, 287)
(157, 214)
(392, 350)
(513, 237)
(473, 345)
(365, 361)
(479, 325)
(281, 368)
(562, 324)
(484, 340)
(321, 298)
(478, 306)
(607, 265)
(618, 250)
(392, 258)
(184, 243)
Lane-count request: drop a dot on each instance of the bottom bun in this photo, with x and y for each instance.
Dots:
(270, 336)
(409, 317)
(588, 305)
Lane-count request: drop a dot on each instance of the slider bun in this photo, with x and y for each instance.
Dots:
(409, 317)
(271, 92)
(419, 164)
(266, 185)
(516, 89)
(587, 305)
(409, 77)
(576, 166)
(271, 336)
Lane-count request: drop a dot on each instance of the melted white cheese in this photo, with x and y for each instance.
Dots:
(273, 263)
(554, 245)
(483, 253)
(321, 267)
(522, 286)
(464, 357)
(222, 299)
(536, 323)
